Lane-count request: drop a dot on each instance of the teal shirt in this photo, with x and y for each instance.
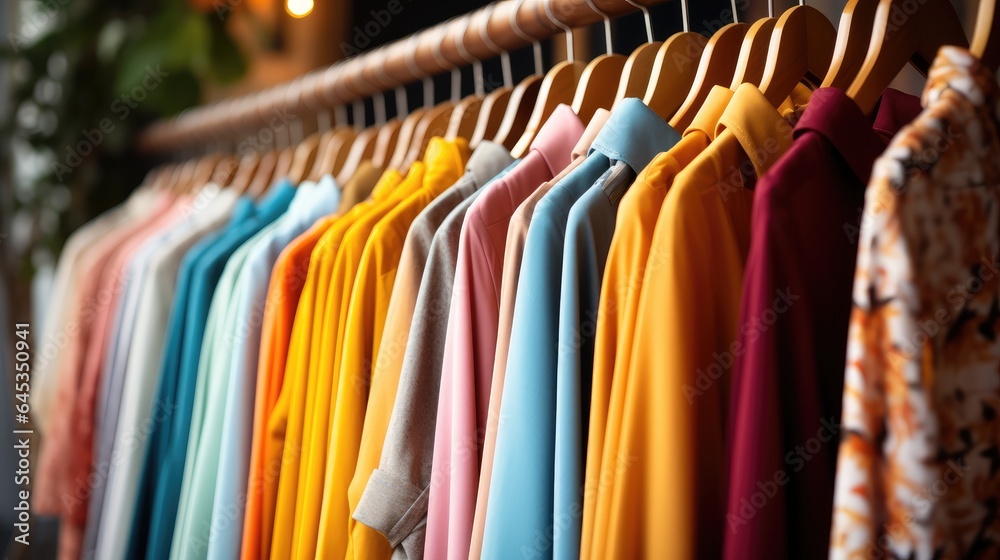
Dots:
(206, 270)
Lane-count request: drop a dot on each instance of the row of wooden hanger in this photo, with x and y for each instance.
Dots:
(875, 40)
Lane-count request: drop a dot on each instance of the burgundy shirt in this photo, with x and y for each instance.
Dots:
(789, 370)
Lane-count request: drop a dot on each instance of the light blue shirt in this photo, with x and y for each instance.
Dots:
(533, 511)
(309, 205)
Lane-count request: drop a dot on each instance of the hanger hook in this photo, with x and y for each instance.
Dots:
(736, 16)
(569, 32)
(456, 72)
(402, 103)
(311, 84)
(378, 100)
(535, 45)
(646, 18)
(477, 65)
(508, 80)
(295, 126)
(770, 8)
(607, 25)
(411, 66)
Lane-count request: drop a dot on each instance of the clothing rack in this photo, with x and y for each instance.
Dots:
(505, 25)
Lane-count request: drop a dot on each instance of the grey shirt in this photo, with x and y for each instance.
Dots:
(395, 500)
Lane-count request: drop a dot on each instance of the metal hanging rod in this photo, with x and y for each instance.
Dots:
(374, 72)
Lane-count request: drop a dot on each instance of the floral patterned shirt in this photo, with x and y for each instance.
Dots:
(918, 472)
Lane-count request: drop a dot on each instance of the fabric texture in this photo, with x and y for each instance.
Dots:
(916, 471)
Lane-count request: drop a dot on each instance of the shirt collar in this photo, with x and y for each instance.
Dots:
(555, 140)
(276, 199)
(488, 159)
(761, 131)
(600, 117)
(444, 157)
(956, 69)
(634, 134)
(711, 110)
(895, 110)
(834, 116)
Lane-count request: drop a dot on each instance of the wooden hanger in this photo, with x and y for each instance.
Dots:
(716, 68)
(986, 36)
(434, 123)
(265, 173)
(362, 148)
(225, 170)
(385, 142)
(436, 117)
(753, 53)
(639, 66)
(674, 69)
(199, 172)
(853, 35)
(524, 97)
(305, 150)
(331, 160)
(245, 172)
(801, 49)
(896, 40)
(593, 91)
(495, 103)
(558, 86)
(406, 134)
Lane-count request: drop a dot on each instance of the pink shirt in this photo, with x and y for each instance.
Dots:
(80, 452)
(53, 466)
(472, 331)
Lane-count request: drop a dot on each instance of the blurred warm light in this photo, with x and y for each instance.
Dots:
(299, 8)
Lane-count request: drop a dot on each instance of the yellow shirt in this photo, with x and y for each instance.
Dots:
(339, 535)
(667, 498)
(623, 274)
(285, 290)
(287, 424)
(298, 497)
